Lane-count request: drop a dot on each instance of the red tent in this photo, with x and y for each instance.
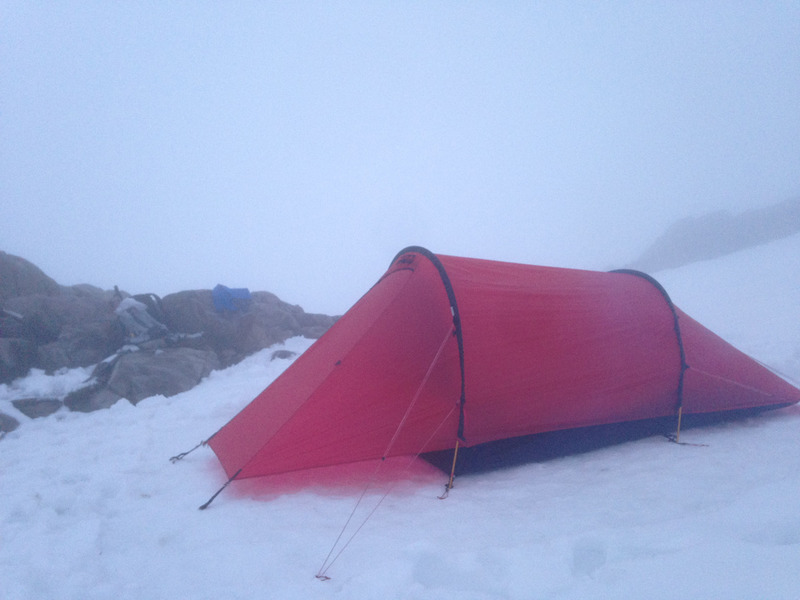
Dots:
(444, 348)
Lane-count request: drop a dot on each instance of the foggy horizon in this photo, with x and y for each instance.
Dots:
(297, 148)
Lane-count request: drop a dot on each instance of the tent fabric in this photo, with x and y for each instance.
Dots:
(445, 347)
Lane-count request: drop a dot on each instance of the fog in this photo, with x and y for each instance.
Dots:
(297, 147)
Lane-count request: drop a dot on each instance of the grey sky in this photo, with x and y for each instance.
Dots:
(296, 147)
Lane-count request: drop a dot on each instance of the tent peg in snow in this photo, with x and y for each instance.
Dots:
(445, 350)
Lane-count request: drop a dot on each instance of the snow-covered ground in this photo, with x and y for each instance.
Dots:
(92, 508)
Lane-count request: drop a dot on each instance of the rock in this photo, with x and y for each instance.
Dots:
(37, 407)
(73, 327)
(135, 376)
(80, 347)
(234, 335)
(91, 398)
(17, 356)
(313, 325)
(139, 375)
(7, 423)
(18, 277)
(278, 354)
(11, 324)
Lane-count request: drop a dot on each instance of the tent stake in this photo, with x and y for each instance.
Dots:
(678, 432)
(180, 456)
(449, 485)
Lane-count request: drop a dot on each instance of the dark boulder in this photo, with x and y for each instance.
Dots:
(282, 354)
(7, 424)
(90, 398)
(17, 356)
(37, 407)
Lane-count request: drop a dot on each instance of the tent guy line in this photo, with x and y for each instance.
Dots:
(327, 564)
(386, 452)
(448, 486)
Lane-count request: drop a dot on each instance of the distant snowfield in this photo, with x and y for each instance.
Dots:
(750, 298)
(92, 508)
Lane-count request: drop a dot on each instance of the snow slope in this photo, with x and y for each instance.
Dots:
(91, 507)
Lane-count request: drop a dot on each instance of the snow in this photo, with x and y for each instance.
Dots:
(92, 508)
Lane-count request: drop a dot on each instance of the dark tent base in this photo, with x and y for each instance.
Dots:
(546, 446)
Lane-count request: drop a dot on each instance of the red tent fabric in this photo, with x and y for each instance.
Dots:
(444, 348)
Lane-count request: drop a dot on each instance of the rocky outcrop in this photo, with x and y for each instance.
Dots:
(178, 339)
(233, 335)
(48, 326)
(70, 327)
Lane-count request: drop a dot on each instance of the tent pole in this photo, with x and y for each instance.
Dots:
(678, 432)
(219, 491)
